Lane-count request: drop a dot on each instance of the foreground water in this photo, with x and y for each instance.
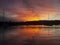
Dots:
(30, 35)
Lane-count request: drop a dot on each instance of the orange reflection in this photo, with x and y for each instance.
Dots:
(26, 34)
(29, 33)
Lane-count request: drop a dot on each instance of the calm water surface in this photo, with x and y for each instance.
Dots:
(18, 35)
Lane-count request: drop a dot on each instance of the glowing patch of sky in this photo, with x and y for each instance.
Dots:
(29, 10)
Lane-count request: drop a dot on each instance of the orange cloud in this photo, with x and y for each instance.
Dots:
(29, 10)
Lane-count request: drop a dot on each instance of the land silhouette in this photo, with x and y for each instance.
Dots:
(40, 22)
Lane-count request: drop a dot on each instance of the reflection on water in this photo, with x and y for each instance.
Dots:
(30, 36)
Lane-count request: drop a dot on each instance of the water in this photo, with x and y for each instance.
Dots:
(30, 35)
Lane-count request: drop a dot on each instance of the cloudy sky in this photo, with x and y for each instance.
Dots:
(29, 10)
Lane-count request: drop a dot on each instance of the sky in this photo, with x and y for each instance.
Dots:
(30, 10)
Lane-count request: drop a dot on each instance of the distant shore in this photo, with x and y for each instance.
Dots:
(42, 22)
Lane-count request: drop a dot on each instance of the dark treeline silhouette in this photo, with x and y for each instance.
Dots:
(40, 22)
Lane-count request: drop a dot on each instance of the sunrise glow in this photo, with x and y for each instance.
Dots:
(24, 10)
